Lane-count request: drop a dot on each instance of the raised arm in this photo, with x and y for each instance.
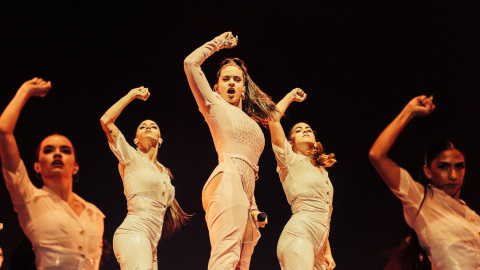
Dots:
(387, 168)
(9, 153)
(108, 119)
(276, 131)
(196, 78)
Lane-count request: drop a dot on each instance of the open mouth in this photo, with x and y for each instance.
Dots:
(231, 91)
(57, 163)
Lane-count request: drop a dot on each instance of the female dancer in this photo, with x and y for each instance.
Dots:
(147, 183)
(65, 230)
(447, 229)
(231, 112)
(301, 165)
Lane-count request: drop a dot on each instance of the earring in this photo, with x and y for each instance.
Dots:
(39, 177)
(75, 178)
(135, 141)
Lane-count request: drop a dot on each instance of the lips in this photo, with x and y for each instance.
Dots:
(57, 163)
(231, 91)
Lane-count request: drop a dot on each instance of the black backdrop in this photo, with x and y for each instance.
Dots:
(359, 61)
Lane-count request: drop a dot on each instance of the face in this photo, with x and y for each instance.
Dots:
(56, 158)
(230, 85)
(447, 171)
(1, 257)
(148, 130)
(302, 133)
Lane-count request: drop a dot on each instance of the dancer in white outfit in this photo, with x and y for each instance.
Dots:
(65, 230)
(446, 232)
(148, 189)
(231, 113)
(301, 165)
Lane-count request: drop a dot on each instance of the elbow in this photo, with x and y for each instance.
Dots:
(374, 156)
(105, 120)
(4, 131)
(188, 63)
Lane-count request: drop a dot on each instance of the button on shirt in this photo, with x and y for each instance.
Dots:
(59, 237)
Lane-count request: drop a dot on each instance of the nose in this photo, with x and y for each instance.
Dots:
(57, 153)
(453, 175)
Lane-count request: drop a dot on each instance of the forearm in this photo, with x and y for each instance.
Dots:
(196, 78)
(283, 104)
(277, 133)
(113, 112)
(328, 250)
(9, 153)
(389, 135)
(10, 115)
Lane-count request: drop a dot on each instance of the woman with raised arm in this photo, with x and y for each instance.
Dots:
(302, 169)
(153, 211)
(445, 229)
(231, 112)
(65, 230)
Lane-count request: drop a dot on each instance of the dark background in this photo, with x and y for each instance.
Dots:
(359, 61)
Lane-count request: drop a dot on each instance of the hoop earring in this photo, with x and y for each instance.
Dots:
(75, 178)
(39, 177)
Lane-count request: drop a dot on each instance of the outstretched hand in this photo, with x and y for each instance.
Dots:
(140, 93)
(37, 87)
(421, 105)
(298, 95)
(228, 40)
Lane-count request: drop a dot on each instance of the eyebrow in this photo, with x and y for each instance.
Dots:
(307, 127)
(61, 146)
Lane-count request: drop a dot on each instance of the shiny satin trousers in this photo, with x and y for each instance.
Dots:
(227, 217)
(135, 241)
(302, 243)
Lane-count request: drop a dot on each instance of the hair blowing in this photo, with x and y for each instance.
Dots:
(174, 218)
(257, 105)
(410, 254)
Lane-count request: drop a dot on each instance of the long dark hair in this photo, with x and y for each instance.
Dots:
(258, 105)
(174, 218)
(410, 254)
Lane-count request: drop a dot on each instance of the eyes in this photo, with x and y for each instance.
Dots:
(64, 149)
(446, 166)
(301, 130)
(142, 127)
(235, 78)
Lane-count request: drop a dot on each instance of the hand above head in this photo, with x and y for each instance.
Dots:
(140, 93)
(36, 87)
(298, 95)
(228, 40)
(421, 105)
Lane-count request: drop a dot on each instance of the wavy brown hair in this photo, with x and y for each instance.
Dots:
(317, 155)
(174, 218)
(258, 105)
